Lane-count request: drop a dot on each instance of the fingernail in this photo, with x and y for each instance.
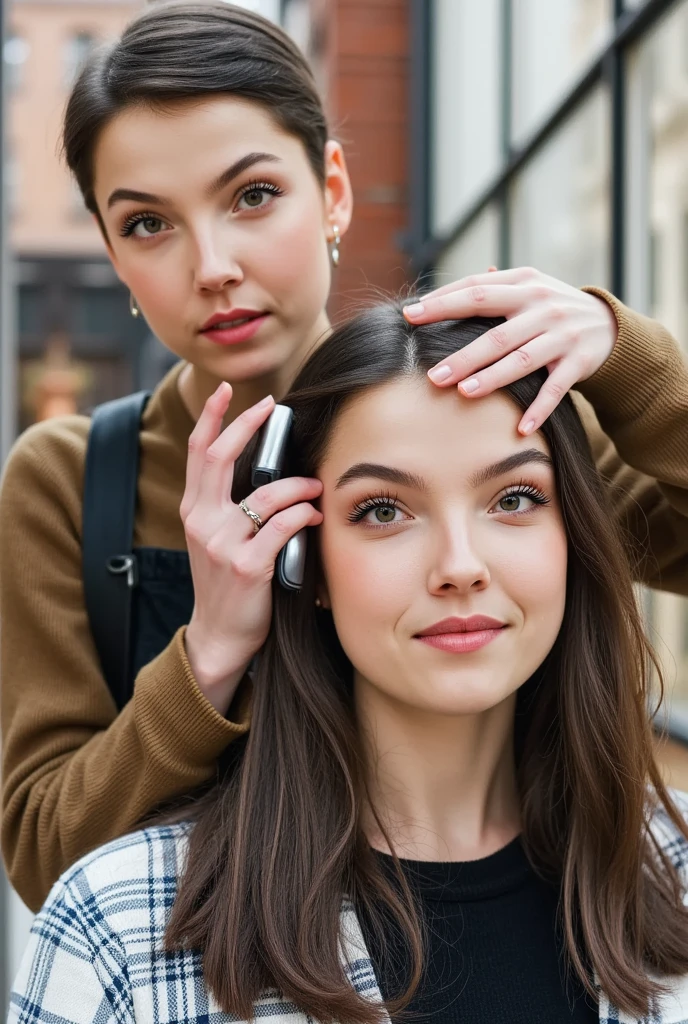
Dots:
(416, 309)
(528, 428)
(439, 373)
(469, 386)
(220, 389)
(265, 402)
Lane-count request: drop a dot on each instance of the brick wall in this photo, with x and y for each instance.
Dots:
(366, 63)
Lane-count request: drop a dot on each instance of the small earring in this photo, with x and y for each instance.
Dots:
(334, 252)
(133, 308)
(318, 603)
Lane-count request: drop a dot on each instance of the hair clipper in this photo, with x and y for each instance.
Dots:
(268, 465)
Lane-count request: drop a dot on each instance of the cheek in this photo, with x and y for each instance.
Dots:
(293, 261)
(369, 586)
(533, 574)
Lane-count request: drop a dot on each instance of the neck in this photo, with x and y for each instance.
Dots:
(196, 384)
(443, 785)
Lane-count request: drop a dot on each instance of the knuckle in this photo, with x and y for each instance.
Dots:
(554, 390)
(279, 524)
(212, 456)
(529, 274)
(215, 552)
(193, 529)
(539, 292)
(523, 358)
(499, 338)
(557, 312)
(477, 294)
(241, 567)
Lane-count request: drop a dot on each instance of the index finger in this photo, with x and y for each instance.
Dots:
(511, 276)
(206, 431)
(478, 300)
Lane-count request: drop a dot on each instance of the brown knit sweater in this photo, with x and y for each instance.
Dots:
(76, 774)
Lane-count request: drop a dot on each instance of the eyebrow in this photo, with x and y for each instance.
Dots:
(238, 167)
(508, 464)
(365, 470)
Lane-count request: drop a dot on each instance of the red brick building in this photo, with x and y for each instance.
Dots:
(360, 50)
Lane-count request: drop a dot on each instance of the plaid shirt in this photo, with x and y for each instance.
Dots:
(95, 952)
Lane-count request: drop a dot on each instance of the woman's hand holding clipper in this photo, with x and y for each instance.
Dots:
(233, 562)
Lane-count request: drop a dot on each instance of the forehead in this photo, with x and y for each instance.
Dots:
(433, 432)
(158, 149)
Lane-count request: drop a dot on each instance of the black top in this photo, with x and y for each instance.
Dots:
(494, 948)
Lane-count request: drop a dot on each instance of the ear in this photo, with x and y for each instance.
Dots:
(339, 200)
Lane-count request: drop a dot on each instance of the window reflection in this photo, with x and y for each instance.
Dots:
(560, 202)
(466, 116)
(552, 41)
(657, 258)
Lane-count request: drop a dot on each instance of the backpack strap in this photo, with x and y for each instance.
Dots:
(109, 567)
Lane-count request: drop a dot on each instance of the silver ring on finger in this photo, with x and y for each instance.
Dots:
(253, 516)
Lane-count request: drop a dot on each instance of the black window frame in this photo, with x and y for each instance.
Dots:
(607, 67)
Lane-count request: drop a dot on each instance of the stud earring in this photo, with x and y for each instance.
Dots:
(318, 603)
(133, 308)
(336, 242)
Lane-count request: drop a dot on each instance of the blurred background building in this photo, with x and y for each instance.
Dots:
(549, 132)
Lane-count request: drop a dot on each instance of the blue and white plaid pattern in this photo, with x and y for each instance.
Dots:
(95, 953)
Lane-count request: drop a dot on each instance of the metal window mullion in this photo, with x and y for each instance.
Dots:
(615, 72)
(631, 26)
(506, 36)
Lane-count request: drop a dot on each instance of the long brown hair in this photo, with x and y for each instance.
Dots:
(278, 842)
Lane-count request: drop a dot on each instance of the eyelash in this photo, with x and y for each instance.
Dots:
(130, 223)
(526, 491)
(362, 508)
(259, 186)
(136, 218)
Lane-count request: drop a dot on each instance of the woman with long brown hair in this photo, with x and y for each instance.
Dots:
(447, 802)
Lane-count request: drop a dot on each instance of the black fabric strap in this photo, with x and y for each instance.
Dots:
(109, 564)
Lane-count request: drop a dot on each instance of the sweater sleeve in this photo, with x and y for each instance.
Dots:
(636, 415)
(75, 773)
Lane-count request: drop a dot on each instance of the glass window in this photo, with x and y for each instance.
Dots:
(77, 49)
(560, 201)
(552, 41)
(466, 133)
(475, 251)
(657, 251)
(15, 53)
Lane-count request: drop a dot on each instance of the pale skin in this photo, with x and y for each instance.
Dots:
(462, 536)
(191, 239)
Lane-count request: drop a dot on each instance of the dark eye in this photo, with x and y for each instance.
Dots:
(385, 513)
(510, 502)
(254, 197)
(149, 226)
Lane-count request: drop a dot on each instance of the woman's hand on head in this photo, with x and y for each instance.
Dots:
(232, 565)
(548, 323)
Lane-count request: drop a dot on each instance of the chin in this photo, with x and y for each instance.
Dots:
(458, 697)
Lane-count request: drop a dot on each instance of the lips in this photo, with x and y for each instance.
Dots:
(461, 636)
(234, 326)
(231, 318)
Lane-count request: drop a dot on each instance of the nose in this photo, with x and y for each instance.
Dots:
(459, 563)
(215, 264)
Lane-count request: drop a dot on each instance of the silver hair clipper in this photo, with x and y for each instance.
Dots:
(268, 464)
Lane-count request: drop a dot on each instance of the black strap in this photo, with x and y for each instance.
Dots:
(108, 562)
